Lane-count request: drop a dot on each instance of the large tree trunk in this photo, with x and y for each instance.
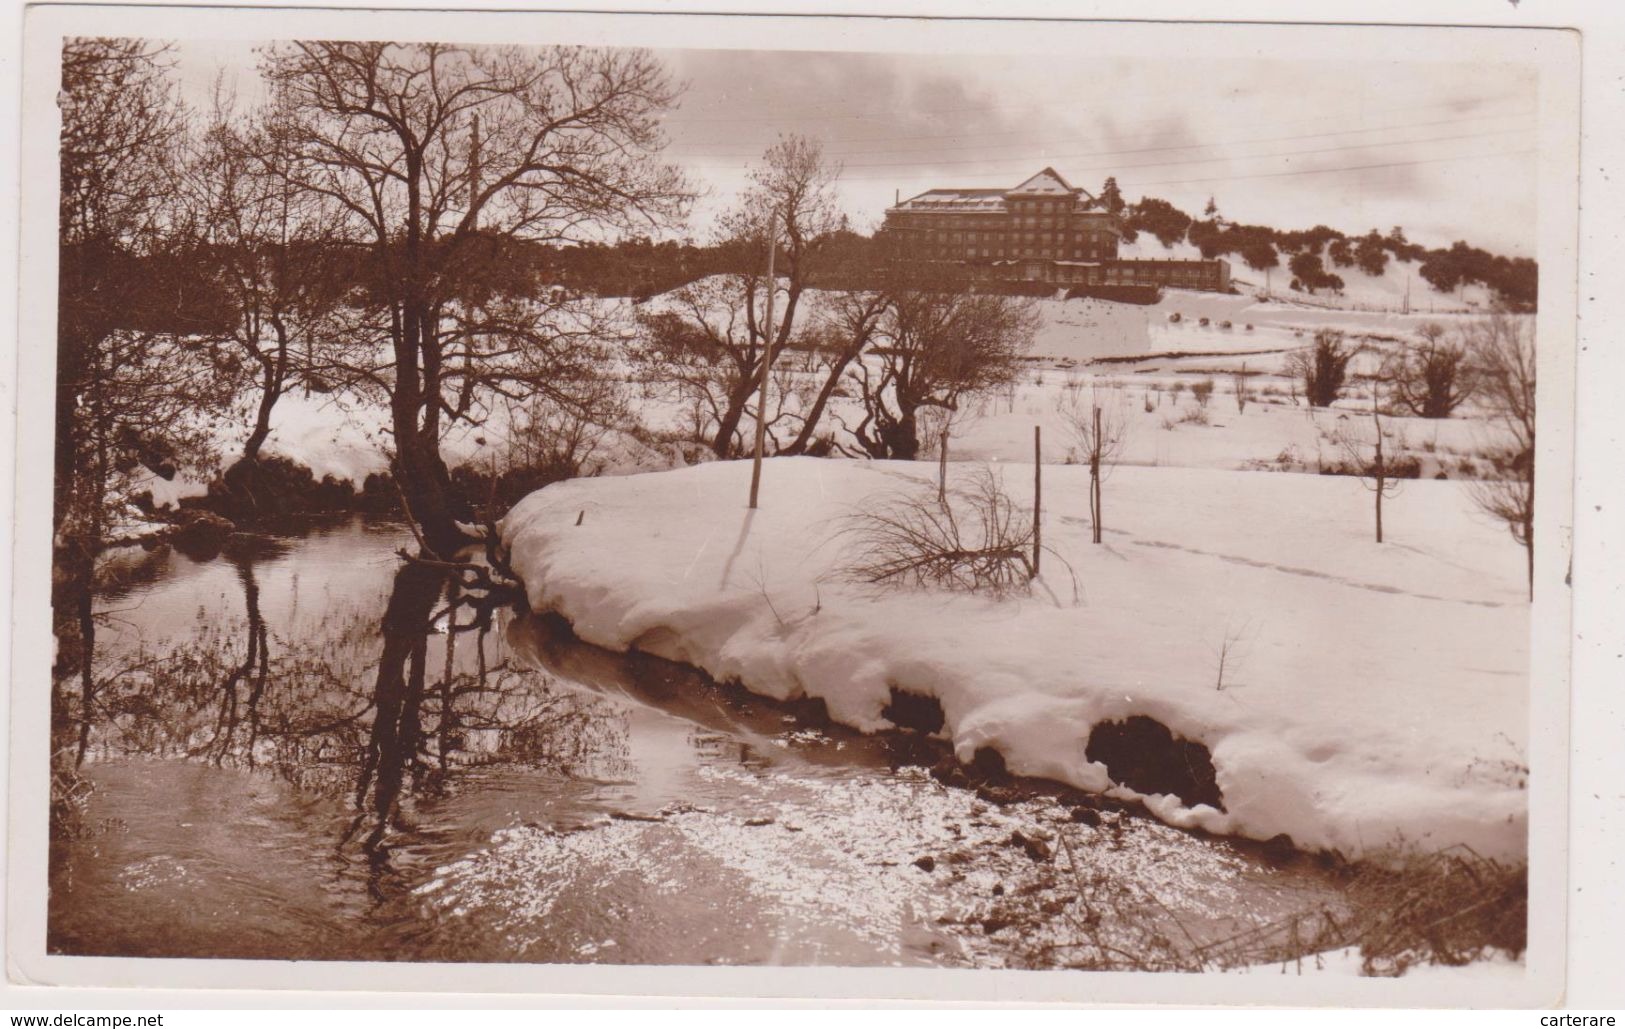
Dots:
(816, 414)
(738, 397)
(420, 472)
(902, 438)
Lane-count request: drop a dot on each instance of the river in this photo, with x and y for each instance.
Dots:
(303, 748)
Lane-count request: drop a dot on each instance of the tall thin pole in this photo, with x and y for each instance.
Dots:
(767, 364)
(1038, 499)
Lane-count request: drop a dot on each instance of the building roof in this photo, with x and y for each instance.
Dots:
(1047, 183)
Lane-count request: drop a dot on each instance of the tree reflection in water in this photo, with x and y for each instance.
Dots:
(385, 714)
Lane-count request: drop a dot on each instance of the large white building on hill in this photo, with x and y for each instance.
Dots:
(1044, 231)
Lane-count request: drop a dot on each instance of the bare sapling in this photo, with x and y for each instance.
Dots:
(1377, 471)
(1098, 428)
(938, 426)
(1229, 656)
(1238, 383)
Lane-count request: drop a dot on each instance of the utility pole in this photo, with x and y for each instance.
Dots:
(767, 363)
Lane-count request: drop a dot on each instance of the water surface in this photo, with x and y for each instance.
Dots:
(305, 748)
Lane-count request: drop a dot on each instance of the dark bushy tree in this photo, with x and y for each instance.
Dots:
(1160, 218)
(1111, 197)
(1371, 254)
(1309, 274)
(1322, 368)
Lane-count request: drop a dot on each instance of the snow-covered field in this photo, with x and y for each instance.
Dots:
(1374, 695)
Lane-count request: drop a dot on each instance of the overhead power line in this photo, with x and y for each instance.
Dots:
(844, 110)
(1115, 168)
(1047, 155)
(1331, 171)
(1137, 150)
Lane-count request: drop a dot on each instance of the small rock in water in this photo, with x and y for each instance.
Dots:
(926, 863)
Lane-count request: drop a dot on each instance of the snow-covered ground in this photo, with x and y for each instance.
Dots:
(1374, 695)
(1132, 351)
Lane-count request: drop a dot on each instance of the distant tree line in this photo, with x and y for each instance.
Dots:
(1514, 280)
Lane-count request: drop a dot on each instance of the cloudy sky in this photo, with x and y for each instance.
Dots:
(1444, 149)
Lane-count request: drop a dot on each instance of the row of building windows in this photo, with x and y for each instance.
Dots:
(938, 236)
(1053, 253)
(975, 221)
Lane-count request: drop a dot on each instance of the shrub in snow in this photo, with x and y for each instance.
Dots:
(979, 541)
(1203, 392)
(1452, 907)
(1322, 368)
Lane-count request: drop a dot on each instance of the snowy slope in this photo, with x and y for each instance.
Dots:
(1375, 693)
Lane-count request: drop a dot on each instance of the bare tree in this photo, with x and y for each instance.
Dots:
(845, 331)
(1502, 347)
(446, 160)
(1430, 376)
(1098, 431)
(1322, 367)
(708, 342)
(277, 260)
(1370, 462)
(937, 344)
(135, 386)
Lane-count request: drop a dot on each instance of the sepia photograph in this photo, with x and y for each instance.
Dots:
(650, 492)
